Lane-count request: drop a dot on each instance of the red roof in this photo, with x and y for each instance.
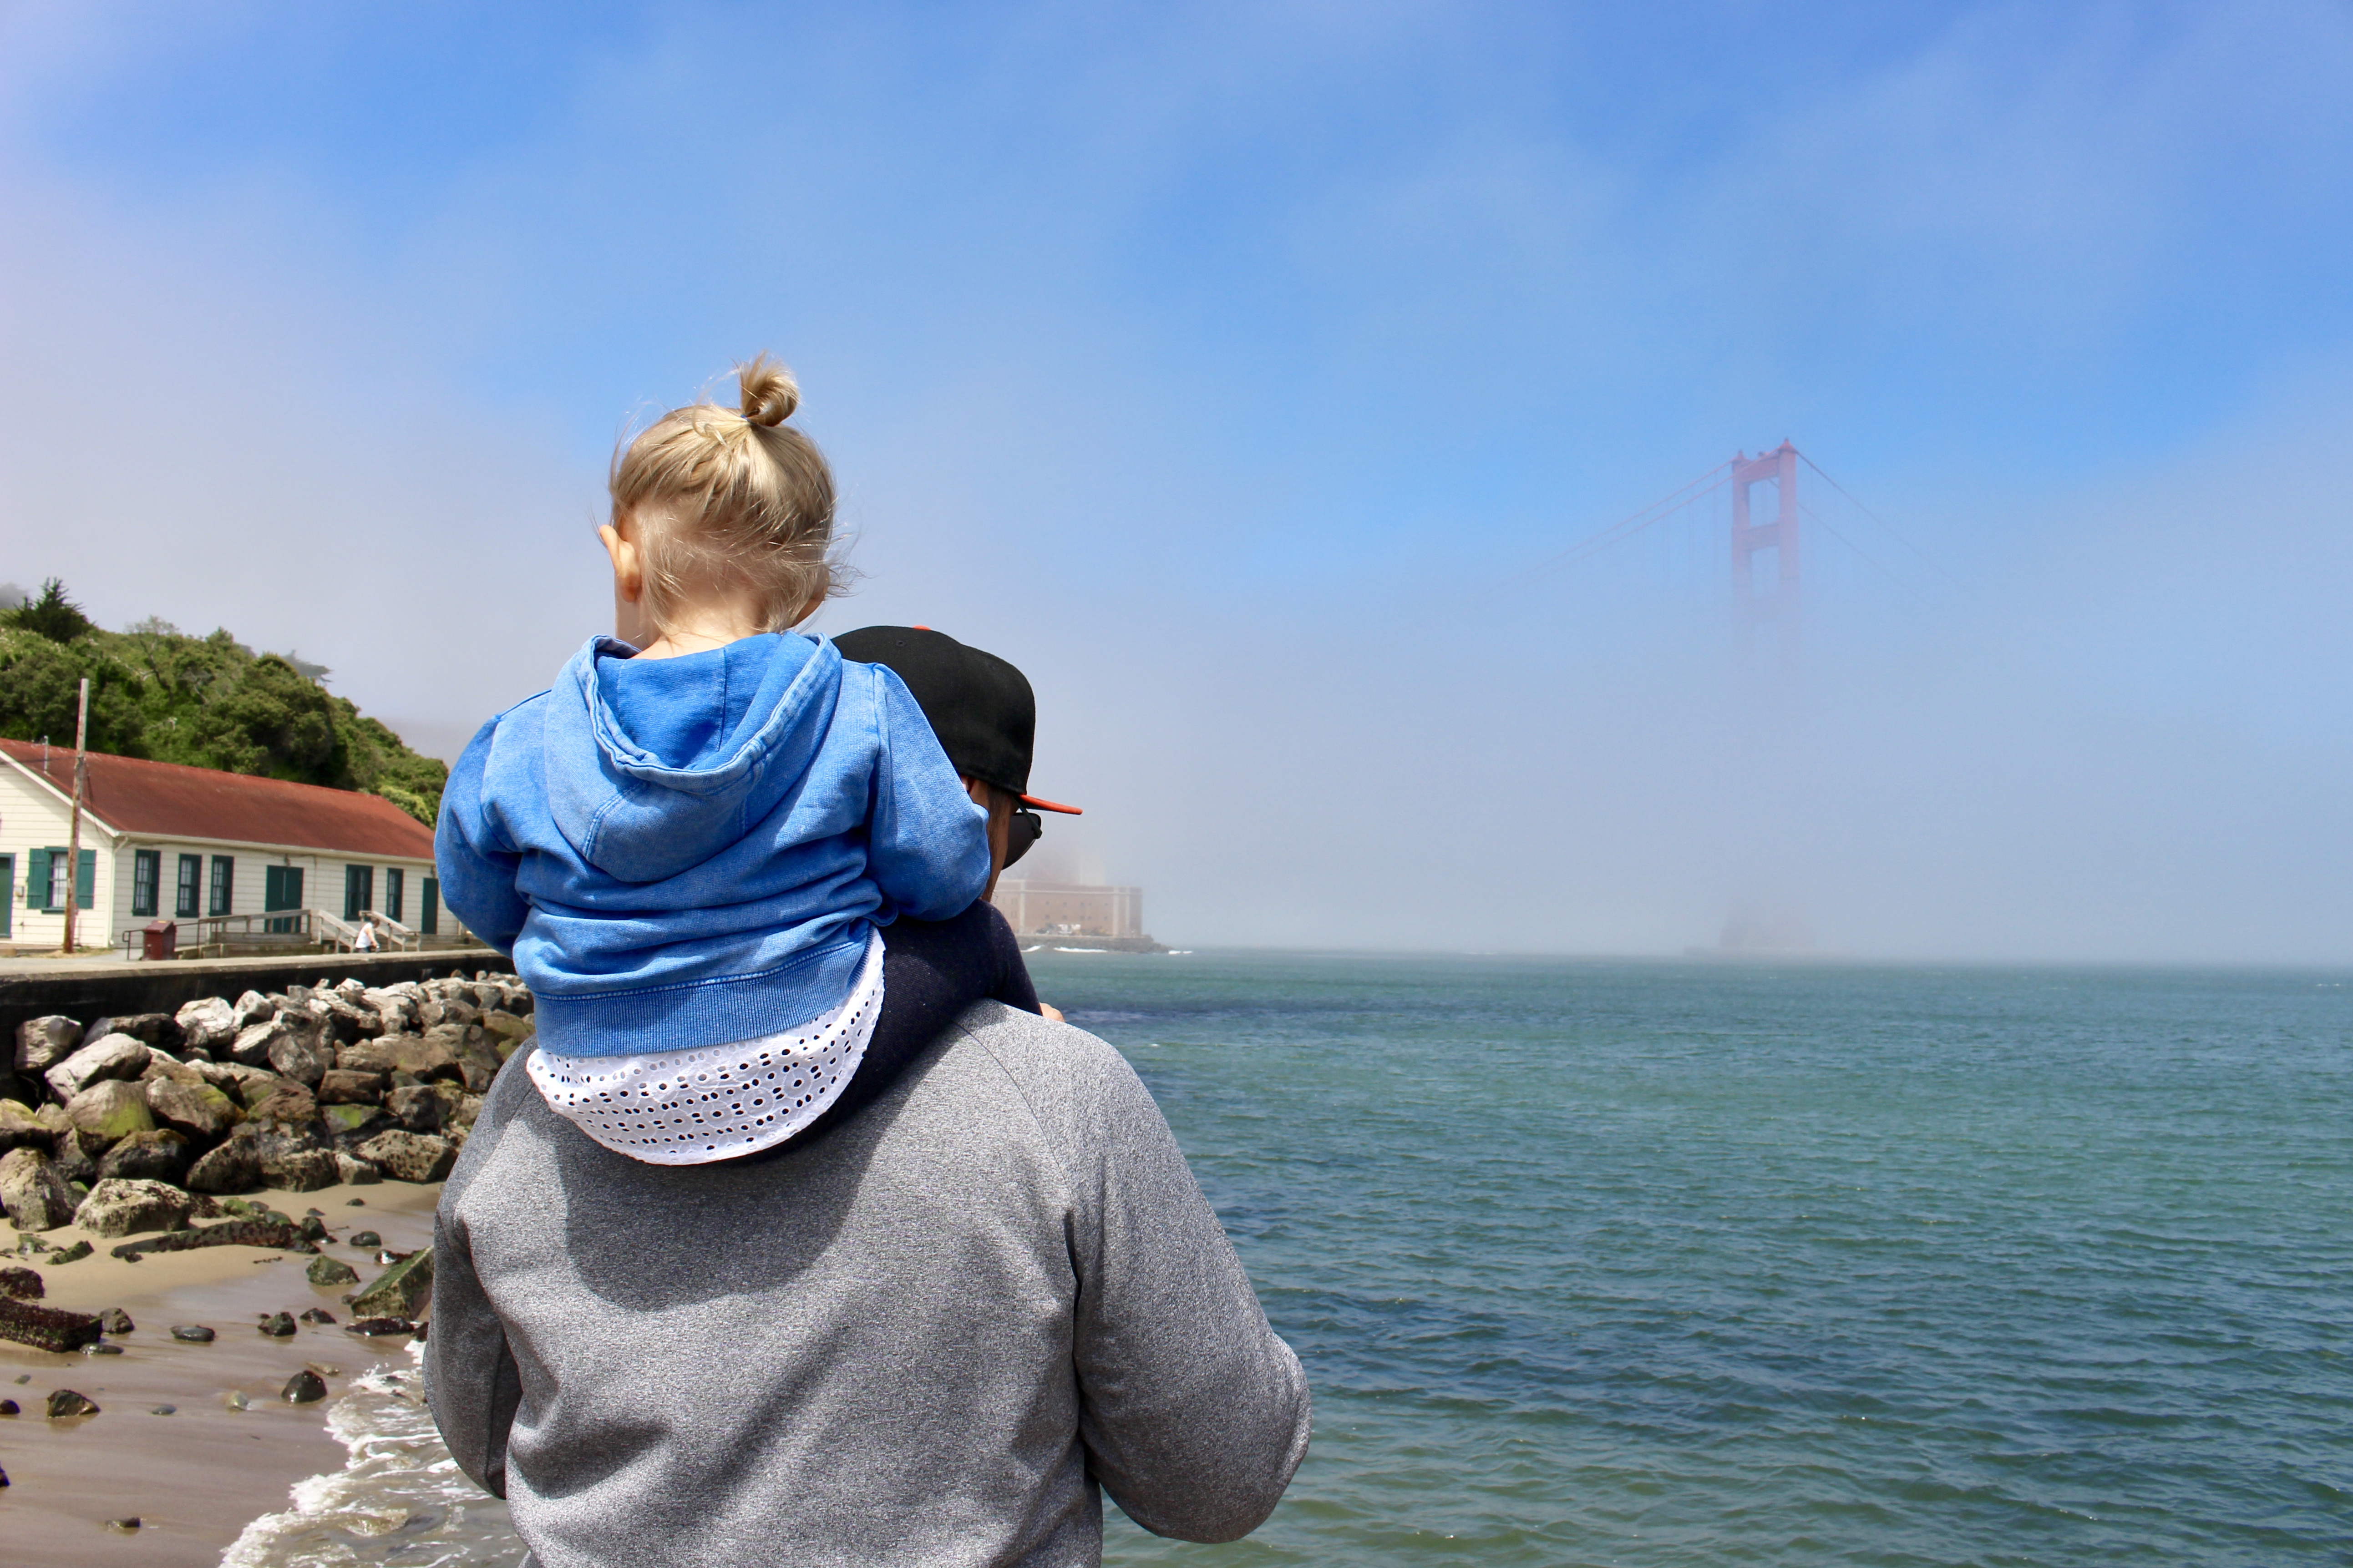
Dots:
(168, 801)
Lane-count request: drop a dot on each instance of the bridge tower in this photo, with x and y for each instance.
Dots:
(1768, 602)
(1768, 908)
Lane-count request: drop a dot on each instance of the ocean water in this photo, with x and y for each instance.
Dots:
(1654, 1263)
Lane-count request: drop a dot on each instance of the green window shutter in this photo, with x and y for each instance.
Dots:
(36, 879)
(146, 870)
(223, 884)
(86, 879)
(428, 907)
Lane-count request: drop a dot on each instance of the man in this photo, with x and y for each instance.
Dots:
(925, 1330)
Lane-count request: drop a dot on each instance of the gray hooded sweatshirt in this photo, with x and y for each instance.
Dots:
(925, 1338)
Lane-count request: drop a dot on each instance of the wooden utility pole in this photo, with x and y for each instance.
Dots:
(73, 833)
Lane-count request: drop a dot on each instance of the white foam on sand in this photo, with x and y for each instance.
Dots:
(400, 1499)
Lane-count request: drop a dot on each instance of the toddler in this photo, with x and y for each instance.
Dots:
(689, 845)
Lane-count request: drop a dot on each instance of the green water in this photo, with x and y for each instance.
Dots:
(1695, 1264)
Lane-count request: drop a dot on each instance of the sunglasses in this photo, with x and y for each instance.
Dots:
(1024, 830)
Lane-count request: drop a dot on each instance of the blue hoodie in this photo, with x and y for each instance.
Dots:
(691, 851)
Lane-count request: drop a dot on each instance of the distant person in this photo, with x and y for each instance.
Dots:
(364, 939)
(677, 1320)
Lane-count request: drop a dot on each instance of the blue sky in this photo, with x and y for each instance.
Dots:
(1213, 361)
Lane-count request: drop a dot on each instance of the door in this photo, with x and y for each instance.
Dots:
(428, 907)
(359, 891)
(7, 893)
(281, 888)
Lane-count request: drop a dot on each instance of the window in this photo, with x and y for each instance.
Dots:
(359, 891)
(191, 889)
(428, 907)
(393, 879)
(51, 885)
(224, 885)
(146, 870)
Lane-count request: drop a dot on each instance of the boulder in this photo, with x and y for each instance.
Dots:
(400, 1290)
(207, 1024)
(357, 1171)
(21, 1127)
(305, 1387)
(121, 1207)
(234, 1167)
(304, 1057)
(148, 1028)
(108, 1111)
(395, 1012)
(344, 1087)
(508, 1025)
(43, 1043)
(164, 1065)
(420, 1109)
(198, 1110)
(252, 1008)
(323, 1271)
(464, 1114)
(32, 1190)
(230, 1078)
(65, 1402)
(425, 1058)
(264, 1087)
(406, 1156)
(287, 1103)
(346, 1021)
(76, 1161)
(253, 1044)
(352, 1123)
(161, 1155)
(109, 1058)
(25, 1285)
(302, 1169)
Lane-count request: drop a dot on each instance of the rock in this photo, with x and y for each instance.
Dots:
(231, 1078)
(25, 1285)
(302, 1169)
(7, 1407)
(47, 1329)
(198, 1112)
(323, 1272)
(252, 1045)
(348, 1122)
(400, 1290)
(192, 1334)
(263, 1087)
(74, 1254)
(508, 1025)
(22, 1128)
(35, 1196)
(346, 1021)
(480, 1062)
(304, 1057)
(277, 1326)
(66, 1402)
(252, 1008)
(395, 1012)
(424, 1057)
(305, 1387)
(43, 1043)
(365, 1238)
(75, 1160)
(156, 1156)
(127, 1525)
(208, 1022)
(341, 1086)
(234, 1167)
(109, 1057)
(356, 1172)
(406, 1156)
(165, 1410)
(156, 1029)
(121, 1207)
(115, 1321)
(418, 1109)
(101, 1350)
(380, 1326)
(287, 1104)
(465, 1113)
(108, 1111)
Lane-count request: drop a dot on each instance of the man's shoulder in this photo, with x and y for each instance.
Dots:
(1076, 1085)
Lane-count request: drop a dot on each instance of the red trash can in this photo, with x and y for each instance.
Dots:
(160, 939)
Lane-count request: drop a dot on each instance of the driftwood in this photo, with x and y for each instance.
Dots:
(274, 1233)
(46, 1328)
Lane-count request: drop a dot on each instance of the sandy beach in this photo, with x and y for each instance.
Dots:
(195, 1477)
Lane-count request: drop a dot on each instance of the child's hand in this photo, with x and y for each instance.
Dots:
(1050, 1013)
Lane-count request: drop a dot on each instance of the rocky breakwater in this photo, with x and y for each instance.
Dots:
(150, 1119)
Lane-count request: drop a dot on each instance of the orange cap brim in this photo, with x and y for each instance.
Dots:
(1051, 805)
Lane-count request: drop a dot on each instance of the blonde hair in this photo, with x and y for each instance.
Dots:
(728, 500)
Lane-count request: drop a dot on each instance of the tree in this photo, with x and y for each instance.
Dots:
(53, 615)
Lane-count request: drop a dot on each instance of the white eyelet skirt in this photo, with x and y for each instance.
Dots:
(715, 1103)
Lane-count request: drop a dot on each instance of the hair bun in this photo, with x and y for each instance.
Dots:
(769, 393)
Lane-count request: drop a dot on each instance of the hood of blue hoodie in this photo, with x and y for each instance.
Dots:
(690, 753)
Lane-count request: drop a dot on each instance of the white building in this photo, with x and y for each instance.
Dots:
(163, 841)
(1070, 909)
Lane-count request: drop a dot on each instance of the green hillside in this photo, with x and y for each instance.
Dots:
(209, 702)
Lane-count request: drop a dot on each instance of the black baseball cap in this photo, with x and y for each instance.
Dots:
(981, 707)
